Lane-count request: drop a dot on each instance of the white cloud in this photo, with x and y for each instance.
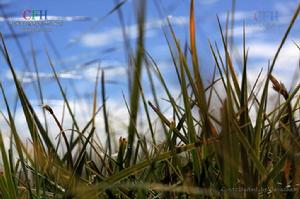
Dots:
(113, 70)
(208, 2)
(117, 114)
(287, 60)
(50, 18)
(112, 73)
(28, 77)
(238, 16)
(249, 30)
(117, 111)
(102, 39)
(115, 34)
(286, 69)
(71, 18)
(285, 8)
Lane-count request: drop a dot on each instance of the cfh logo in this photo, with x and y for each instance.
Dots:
(30, 14)
(266, 16)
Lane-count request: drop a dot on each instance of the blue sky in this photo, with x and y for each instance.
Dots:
(102, 42)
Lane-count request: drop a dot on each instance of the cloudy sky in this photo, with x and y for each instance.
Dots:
(83, 35)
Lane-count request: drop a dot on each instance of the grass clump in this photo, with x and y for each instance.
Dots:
(232, 155)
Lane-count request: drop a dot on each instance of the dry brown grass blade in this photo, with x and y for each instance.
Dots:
(69, 152)
(279, 87)
(200, 91)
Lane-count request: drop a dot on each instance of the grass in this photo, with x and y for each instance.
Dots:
(232, 155)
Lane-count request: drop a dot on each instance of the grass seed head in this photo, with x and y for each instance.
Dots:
(48, 108)
(279, 87)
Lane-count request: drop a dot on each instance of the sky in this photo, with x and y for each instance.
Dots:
(83, 35)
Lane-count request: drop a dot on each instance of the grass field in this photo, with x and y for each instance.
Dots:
(246, 151)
